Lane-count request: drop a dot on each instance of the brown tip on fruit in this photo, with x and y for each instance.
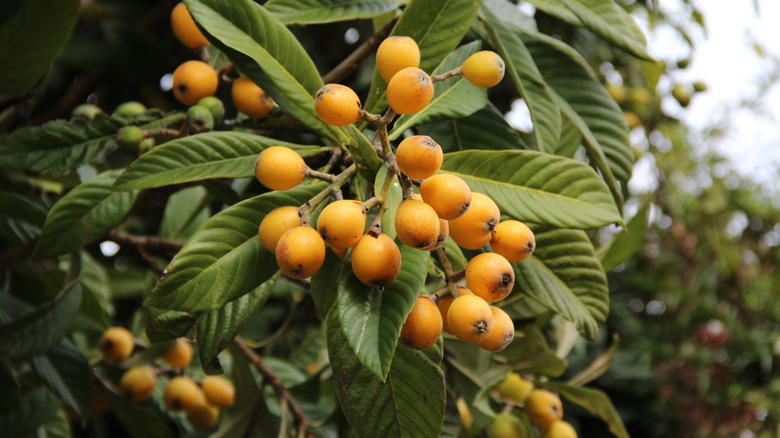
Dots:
(506, 280)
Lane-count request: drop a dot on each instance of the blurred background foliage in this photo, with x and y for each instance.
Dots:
(693, 308)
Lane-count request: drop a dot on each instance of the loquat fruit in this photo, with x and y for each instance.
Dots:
(199, 119)
(182, 394)
(215, 107)
(502, 334)
(129, 138)
(444, 233)
(419, 156)
(490, 276)
(194, 80)
(423, 325)
(484, 69)
(280, 168)
(138, 383)
(475, 228)
(179, 355)
(515, 388)
(203, 416)
(129, 109)
(184, 28)
(464, 413)
(505, 425)
(559, 429)
(337, 105)
(396, 53)
(448, 194)
(513, 240)
(275, 223)
(341, 223)
(300, 252)
(543, 408)
(218, 391)
(443, 304)
(470, 318)
(417, 224)
(250, 99)
(409, 91)
(376, 260)
(116, 344)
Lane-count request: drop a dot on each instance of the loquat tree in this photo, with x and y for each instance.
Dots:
(354, 236)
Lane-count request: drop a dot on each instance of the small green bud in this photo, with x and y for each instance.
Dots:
(129, 138)
(129, 109)
(199, 119)
(700, 86)
(214, 105)
(85, 111)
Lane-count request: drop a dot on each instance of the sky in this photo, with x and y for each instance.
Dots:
(725, 60)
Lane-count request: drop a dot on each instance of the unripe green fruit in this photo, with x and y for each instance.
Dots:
(215, 106)
(129, 138)
(129, 109)
(682, 94)
(506, 426)
(86, 111)
(199, 119)
(699, 86)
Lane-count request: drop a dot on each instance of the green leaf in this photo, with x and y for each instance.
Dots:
(565, 276)
(84, 215)
(520, 66)
(66, 372)
(452, 98)
(31, 39)
(199, 157)
(39, 329)
(595, 402)
(529, 353)
(323, 289)
(535, 187)
(485, 129)
(224, 259)
(327, 11)
(96, 306)
(588, 105)
(138, 421)
(57, 147)
(612, 23)
(627, 242)
(185, 212)
(267, 52)
(372, 317)
(217, 328)
(363, 153)
(36, 406)
(165, 325)
(410, 404)
(391, 201)
(437, 26)
(21, 217)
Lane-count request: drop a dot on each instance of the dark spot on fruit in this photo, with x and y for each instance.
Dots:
(506, 280)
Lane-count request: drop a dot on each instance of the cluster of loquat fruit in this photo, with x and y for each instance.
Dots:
(444, 207)
(542, 407)
(194, 80)
(202, 400)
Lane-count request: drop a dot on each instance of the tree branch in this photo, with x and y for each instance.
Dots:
(301, 422)
(351, 62)
(156, 244)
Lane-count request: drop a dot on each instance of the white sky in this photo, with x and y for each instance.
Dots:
(725, 60)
